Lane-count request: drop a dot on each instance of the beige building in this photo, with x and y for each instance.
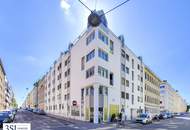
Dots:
(180, 103)
(29, 102)
(41, 93)
(152, 92)
(171, 101)
(2, 86)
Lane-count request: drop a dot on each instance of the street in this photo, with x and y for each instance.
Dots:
(40, 122)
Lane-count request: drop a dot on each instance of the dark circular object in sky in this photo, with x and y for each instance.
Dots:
(94, 19)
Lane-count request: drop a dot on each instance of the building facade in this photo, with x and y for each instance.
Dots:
(171, 101)
(152, 92)
(9, 95)
(97, 77)
(41, 93)
(2, 86)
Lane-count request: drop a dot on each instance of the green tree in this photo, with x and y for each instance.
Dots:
(14, 103)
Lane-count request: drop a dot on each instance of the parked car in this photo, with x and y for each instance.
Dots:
(35, 110)
(163, 116)
(144, 118)
(156, 118)
(5, 118)
(30, 109)
(41, 112)
(10, 113)
(169, 115)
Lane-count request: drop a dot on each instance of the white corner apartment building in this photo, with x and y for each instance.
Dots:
(97, 77)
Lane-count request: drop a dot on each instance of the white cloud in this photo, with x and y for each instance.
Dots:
(65, 5)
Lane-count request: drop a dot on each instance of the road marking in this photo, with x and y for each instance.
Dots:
(185, 118)
(104, 128)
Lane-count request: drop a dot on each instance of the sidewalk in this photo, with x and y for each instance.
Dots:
(84, 125)
(78, 123)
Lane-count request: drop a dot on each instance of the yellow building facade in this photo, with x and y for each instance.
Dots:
(152, 92)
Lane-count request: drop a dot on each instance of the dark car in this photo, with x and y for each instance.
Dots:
(41, 112)
(156, 118)
(10, 113)
(5, 118)
(169, 115)
(30, 109)
(163, 116)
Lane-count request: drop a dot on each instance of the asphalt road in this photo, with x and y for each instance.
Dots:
(40, 122)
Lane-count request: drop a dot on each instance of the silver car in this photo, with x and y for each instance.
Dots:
(144, 118)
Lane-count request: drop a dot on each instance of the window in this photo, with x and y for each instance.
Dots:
(59, 67)
(90, 55)
(100, 90)
(132, 99)
(106, 91)
(123, 53)
(138, 99)
(90, 72)
(123, 67)
(111, 46)
(82, 94)
(141, 89)
(68, 84)
(133, 87)
(138, 67)
(66, 63)
(102, 72)
(59, 77)
(127, 70)
(90, 38)
(133, 63)
(138, 88)
(86, 91)
(82, 63)
(91, 91)
(139, 78)
(127, 83)
(145, 75)
(59, 106)
(102, 54)
(68, 96)
(103, 37)
(127, 57)
(111, 79)
(133, 75)
(123, 81)
(127, 95)
(67, 73)
(59, 86)
(123, 95)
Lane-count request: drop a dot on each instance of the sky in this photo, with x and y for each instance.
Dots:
(34, 32)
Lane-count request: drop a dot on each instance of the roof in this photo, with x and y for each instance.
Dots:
(1, 64)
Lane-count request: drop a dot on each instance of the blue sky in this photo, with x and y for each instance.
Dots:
(34, 32)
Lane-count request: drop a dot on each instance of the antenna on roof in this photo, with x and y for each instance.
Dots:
(95, 18)
(116, 7)
(85, 5)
